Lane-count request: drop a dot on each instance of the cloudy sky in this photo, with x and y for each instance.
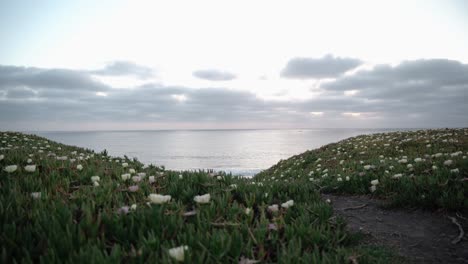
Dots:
(102, 65)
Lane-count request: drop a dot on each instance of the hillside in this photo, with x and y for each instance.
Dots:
(425, 168)
(66, 204)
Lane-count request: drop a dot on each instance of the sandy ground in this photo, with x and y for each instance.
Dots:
(419, 236)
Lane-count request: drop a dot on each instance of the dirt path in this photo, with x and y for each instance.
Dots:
(419, 236)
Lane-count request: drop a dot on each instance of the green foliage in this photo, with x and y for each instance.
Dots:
(425, 180)
(55, 214)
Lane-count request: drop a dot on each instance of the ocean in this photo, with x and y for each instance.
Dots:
(241, 152)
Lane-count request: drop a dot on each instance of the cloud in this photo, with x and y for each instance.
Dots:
(318, 68)
(214, 75)
(122, 68)
(36, 78)
(419, 93)
(418, 81)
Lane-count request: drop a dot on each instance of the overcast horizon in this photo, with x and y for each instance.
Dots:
(195, 65)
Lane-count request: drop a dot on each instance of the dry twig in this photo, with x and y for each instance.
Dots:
(354, 207)
(460, 228)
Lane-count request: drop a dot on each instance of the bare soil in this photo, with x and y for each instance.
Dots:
(418, 236)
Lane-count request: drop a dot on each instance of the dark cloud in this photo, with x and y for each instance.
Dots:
(214, 75)
(417, 81)
(318, 68)
(36, 78)
(421, 93)
(122, 68)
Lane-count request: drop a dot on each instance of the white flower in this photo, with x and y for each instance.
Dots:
(131, 171)
(36, 195)
(403, 161)
(133, 207)
(79, 167)
(248, 211)
(328, 200)
(374, 182)
(10, 168)
(219, 177)
(409, 166)
(151, 179)
(178, 253)
(448, 162)
(233, 186)
(367, 167)
(125, 164)
(347, 178)
(454, 171)
(96, 184)
(438, 155)
(202, 199)
(339, 179)
(29, 161)
(125, 176)
(30, 168)
(373, 188)
(434, 167)
(397, 176)
(158, 198)
(133, 188)
(136, 179)
(273, 208)
(2, 157)
(181, 176)
(287, 204)
(95, 178)
(417, 160)
(428, 145)
(141, 175)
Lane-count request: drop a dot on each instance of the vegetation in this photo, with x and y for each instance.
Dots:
(66, 204)
(425, 168)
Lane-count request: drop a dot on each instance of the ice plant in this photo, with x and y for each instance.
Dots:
(287, 204)
(133, 188)
(178, 253)
(158, 198)
(95, 178)
(202, 199)
(30, 168)
(125, 176)
(136, 178)
(11, 168)
(273, 208)
(448, 162)
(247, 211)
(36, 195)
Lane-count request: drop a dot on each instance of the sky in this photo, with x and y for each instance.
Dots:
(131, 65)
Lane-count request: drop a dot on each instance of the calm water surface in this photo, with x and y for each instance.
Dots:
(244, 152)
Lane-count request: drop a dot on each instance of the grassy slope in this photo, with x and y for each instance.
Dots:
(76, 222)
(350, 165)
